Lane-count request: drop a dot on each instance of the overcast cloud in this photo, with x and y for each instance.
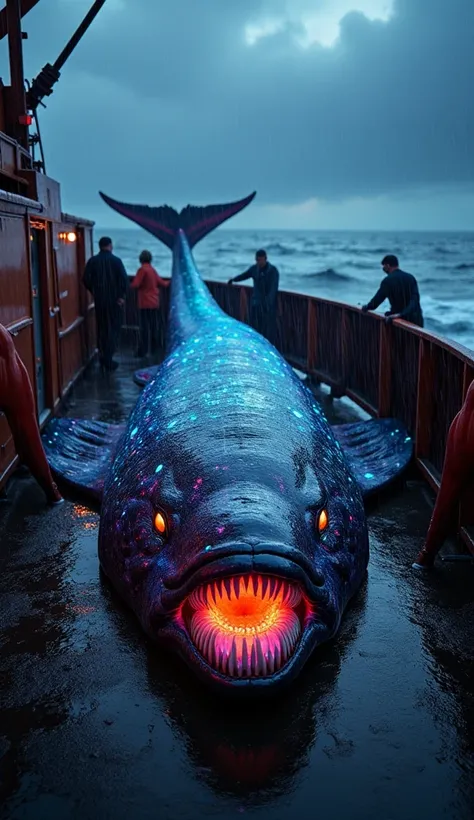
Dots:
(207, 100)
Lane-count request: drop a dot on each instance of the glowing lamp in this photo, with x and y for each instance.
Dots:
(25, 119)
(71, 236)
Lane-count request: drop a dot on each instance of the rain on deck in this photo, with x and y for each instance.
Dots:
(97, 722)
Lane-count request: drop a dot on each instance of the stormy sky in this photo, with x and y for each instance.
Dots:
(340, 113)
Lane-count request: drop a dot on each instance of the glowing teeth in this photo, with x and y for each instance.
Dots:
(245, 626)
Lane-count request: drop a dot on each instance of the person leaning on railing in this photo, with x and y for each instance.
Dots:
(401, 290)
(263, 304)
(148, 283)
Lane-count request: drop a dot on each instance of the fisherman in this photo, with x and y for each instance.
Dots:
(105, 277)
(263, 305)
(401, 289)
(148, 283)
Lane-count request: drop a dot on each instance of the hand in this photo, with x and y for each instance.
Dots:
(121, 302)
(230, 282)
(364, 308)
(389, 317)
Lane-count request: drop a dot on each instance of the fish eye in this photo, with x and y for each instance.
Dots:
(323, 520)
(161, 523)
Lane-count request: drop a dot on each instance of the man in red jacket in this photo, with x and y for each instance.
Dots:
(147, 283)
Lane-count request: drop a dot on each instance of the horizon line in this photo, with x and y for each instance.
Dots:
(308, 230)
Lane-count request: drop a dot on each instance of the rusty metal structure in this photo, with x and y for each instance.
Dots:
(42, 249)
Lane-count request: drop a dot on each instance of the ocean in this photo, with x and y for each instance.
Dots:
(340, 265)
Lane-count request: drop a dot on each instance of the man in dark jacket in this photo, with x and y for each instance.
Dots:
(401, 289)
(263, 305)
(105, 277)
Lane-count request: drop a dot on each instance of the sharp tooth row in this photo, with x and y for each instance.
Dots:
(267, 589)
(246, 657)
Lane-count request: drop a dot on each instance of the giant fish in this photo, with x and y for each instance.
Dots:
(232, 515)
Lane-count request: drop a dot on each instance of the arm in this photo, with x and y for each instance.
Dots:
(163, 283)
(379, 297)
(123, 280)
(242, 276)
(137, 279)
(412, 304)
(273, 287)
(87, 277)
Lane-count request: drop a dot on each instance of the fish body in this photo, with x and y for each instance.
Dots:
(232, 519)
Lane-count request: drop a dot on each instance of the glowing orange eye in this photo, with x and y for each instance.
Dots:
(323, 520)
(160, 523)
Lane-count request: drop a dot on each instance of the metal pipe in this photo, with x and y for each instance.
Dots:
(42, 85)
(78, 34)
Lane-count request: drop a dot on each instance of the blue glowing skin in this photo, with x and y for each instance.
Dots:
(246, 458)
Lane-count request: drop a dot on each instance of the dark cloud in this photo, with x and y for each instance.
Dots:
(167, 101)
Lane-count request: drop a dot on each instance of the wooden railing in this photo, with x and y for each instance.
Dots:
(397, 370)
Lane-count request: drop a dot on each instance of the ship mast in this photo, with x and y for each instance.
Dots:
(22, 105)
(17, 119)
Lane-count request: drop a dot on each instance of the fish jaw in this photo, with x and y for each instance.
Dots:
(248, 624)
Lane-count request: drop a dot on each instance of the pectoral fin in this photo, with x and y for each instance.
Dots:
(80, 452)
(378, 451)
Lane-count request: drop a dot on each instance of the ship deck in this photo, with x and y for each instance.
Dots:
(96, 722)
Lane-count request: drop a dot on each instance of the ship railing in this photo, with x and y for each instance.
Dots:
(397, 370)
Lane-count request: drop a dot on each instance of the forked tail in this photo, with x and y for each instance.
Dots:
(165, 222)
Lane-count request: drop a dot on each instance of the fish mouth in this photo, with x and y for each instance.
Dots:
(246, 618)
(247, 626)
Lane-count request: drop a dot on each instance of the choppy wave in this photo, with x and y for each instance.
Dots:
(281, 250)
(362, 265)
(463, 266)
(330, 275)
(452, 330)
(443, 251)
(356, 250)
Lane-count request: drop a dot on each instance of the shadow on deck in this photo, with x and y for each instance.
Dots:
(96, 722)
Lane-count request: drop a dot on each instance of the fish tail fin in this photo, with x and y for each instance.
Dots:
(165, 222)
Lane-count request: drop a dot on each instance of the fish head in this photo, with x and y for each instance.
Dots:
(242, 565)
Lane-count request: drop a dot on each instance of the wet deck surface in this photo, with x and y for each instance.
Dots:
(97, 723)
